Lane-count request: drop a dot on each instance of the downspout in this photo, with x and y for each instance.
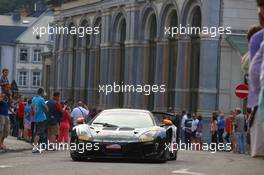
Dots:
(221, 12)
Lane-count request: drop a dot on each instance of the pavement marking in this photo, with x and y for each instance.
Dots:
(185, 171)
(6, 166)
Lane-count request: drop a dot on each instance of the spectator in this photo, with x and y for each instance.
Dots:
(248, 130)
(20, 116)
(188, 129)
(93, 113)
(27, 121)
(183, 118)
(4, 80)
(256, 50)
(214, 128)
(54, 116)
(65, 125)
(79, 112)
(199, 131)
(39, 107)
(13, 121)
(4, 119)
(228, 127)
(177, 122)
(221, 127)
(195, 122)
(240, 131)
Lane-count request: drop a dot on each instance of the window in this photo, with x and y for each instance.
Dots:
(51, 33)
(36, 79)
(23, 54)
(22, 78)
(36, 56)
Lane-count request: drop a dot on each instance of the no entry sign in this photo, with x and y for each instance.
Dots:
(242, 91)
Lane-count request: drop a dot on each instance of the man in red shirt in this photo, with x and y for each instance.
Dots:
(20, 116)
(54, 116)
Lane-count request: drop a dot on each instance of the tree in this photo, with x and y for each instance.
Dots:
(10, 5)
(7, 5)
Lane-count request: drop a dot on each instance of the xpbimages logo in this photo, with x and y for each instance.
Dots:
(62, 30)
(212, 147)
(144, 89)
(78, 147)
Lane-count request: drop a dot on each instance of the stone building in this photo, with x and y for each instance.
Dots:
(200, 72)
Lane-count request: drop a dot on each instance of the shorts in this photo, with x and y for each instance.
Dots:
(39, 128)
(199, 135)
(4, 126)
(53, 130)
(20, 123)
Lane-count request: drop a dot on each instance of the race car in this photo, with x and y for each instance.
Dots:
(124, 133)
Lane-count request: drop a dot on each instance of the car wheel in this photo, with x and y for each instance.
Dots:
(165, 156)
(78, 158)
(174, 155)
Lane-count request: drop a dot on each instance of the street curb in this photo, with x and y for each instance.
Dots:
(14, 151)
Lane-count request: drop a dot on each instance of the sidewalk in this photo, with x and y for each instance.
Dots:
(14, 145)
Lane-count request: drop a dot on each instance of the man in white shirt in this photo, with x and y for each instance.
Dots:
(78, 112)
(194, 128)
(194, 124)
(183, 119)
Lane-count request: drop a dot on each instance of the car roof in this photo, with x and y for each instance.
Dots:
(126, 110)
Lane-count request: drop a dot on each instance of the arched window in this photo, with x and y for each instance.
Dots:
(151, 32)
(87, 46)
(94, 65)
(196, 21)
(73, 49)
(122, 57)
(172, 61)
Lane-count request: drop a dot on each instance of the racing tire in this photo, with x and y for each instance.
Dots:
(175, 155)
(78, 158)
(165, 156)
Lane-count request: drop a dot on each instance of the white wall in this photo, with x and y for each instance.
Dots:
(7, 56)
(230, 76)
(239, 14)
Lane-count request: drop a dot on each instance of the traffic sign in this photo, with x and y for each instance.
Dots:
(242, 91)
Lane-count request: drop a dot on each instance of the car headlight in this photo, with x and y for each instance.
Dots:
(83, 133)
(148, 136)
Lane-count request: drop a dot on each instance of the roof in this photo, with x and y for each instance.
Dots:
(9, 34)
(6, 20)
(238, 42)
(127, 110)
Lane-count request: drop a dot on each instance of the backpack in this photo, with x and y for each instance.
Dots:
(53, 116)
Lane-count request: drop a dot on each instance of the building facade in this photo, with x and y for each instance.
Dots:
(10, 28)
(28, 58)
(20, 50)
(200, 72)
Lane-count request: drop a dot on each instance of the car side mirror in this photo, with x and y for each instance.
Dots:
(167, 122)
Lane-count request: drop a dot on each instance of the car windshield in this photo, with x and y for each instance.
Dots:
(124, 119)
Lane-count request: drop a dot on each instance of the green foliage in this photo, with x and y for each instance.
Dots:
(7, 5)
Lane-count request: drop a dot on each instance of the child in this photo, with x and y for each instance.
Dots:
(20, 116)
(27, 121)
(65, 125)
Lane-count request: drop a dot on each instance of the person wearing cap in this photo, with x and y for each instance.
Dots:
(3, 79)
(80, 111)
(240, 131)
